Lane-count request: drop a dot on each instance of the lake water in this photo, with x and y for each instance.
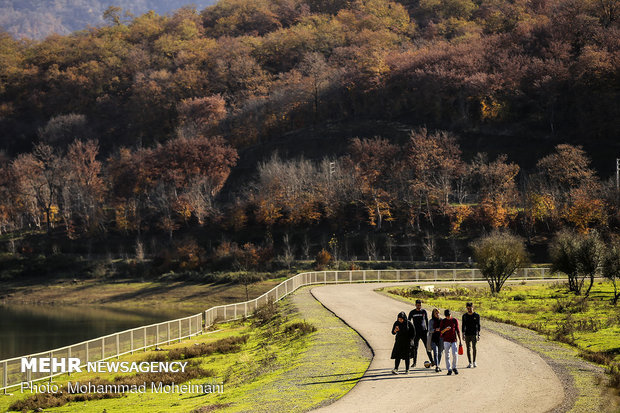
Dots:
(27, 329)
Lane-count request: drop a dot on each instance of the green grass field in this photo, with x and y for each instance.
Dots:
(592, 325)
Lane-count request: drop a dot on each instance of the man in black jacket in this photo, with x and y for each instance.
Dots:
(471, 331)
(419, 318)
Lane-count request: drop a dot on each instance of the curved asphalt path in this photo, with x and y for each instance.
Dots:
(508, 378)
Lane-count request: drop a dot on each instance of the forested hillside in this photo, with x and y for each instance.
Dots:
(134, 129)
(37, 19)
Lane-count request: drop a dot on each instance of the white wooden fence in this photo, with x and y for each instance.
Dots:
(142, 338)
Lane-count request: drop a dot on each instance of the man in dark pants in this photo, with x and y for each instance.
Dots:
(471, 331)
(419, 318)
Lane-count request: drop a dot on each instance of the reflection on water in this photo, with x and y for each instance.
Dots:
(26, 329)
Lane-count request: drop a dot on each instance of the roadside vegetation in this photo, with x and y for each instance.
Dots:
(591, 324)
(261, 352)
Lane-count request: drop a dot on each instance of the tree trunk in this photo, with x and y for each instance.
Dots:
(590, 286)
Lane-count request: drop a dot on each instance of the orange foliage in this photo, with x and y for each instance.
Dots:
(458, 214)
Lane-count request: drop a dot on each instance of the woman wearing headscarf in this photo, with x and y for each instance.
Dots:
(405, 332)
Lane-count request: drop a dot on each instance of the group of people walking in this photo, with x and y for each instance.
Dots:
(438, 335)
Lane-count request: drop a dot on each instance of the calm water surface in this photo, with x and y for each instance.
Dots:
(27, 329)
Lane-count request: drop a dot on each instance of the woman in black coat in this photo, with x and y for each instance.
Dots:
(405, 333)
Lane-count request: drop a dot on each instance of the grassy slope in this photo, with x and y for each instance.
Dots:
(183, 295)
(273, 372)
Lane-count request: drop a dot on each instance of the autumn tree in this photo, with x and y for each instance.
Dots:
(495, 184)
(84, 189)
(40, 175)
(373, 162)
(567, 168)
(567, 175)
(198, 116)
(433, 163)
(287, 191)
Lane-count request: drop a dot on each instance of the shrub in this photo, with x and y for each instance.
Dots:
(578, 256)
(266, 313)
(223, 346)
(323, 258)
(614, 379)
(300, 328)
(497, 256)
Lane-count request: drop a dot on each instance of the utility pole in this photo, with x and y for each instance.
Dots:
(618, 179)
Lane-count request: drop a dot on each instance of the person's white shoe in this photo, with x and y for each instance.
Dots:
(394, 371)
(469, 366)
(475, 365)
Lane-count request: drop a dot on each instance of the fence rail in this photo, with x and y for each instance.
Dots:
(141, 338)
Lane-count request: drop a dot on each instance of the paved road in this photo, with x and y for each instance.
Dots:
(508, 378)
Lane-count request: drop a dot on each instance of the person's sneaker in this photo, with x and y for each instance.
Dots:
(455, 371)
(449, 372)
(394, 371)
(469, 366)
(413, 366)
(475, 365)
(437, 369)
(406, 371)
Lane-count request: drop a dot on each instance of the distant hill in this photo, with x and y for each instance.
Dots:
(37, 19)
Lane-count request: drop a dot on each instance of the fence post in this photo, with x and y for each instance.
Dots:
(180, 325)
(350, 276)
(525, 273)
(69, 356)
(51, 374)
(417, 275)
(397, 275)
(473, 274)
(87, 358)
(157, 336)
(5, 376)
(144, 333)
(364, 275)
(29, 372)
(245, 308)
(131, 341)
(102, 348)
(190, 323)
(454, 274)
(378, 275)
(324, 277)
(118, 346)
(235, 315)
(435, 272)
